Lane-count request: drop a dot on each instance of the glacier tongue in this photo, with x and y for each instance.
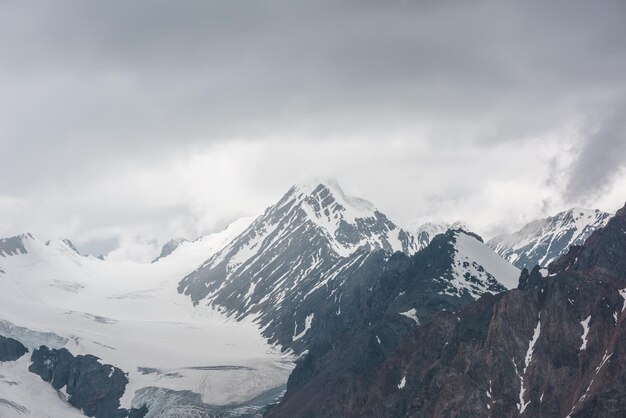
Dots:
(130, 315)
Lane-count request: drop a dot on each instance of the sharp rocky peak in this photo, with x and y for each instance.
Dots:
(602, 255)
(326, 197)
(15, 245)
(543, 241)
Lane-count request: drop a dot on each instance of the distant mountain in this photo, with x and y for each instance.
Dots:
(424, 233)
(543, 241)
(181, 250)
(169, 247)
(503, 355)
(63, 243)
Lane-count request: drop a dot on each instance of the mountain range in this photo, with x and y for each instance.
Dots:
(321, 280)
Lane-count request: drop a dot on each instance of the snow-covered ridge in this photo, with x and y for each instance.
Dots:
(341, 216)
(197, 251)
(477, 269)
(542, 241)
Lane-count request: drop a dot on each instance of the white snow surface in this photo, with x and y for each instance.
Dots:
(194, 253)
(527, 360)
(402, 383)
(411, 314)
(130, 315)
(308, 321)
(26, 394)
(471, 250)
(585, 325)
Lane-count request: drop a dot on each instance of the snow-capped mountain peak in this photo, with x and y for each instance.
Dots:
(544, 240)
(425, 232)
(349, 222)
(293, 254)
(63, 244)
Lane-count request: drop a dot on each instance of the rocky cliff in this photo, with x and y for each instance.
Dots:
(554, 347)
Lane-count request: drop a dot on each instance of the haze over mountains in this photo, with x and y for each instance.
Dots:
(320, 278)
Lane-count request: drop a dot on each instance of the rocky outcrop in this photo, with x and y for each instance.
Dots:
(10, 349)
(92, 387)
(554, 347)
(407, 292)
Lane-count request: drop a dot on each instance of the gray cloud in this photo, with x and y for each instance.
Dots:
(601, 158)
(136, 116)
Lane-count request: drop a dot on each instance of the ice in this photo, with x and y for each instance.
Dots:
(131, 315)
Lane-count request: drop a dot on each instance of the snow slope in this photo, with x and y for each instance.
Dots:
(193, 253)
(473, 257)
(131, 316)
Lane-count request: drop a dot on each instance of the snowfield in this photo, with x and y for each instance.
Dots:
(129, 315)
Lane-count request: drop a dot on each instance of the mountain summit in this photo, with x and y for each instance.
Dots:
(542, 241)
(301, 250)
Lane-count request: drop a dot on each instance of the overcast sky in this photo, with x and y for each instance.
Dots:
(132, 122)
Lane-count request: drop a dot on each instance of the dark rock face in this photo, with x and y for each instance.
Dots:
(10, 349)
(326, 380)
(94, 388)
(554, 347)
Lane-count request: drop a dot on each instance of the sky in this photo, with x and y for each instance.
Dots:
(123, 124)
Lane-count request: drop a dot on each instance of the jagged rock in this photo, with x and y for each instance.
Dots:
(554, 347)
(10, 349)
(93, 387)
